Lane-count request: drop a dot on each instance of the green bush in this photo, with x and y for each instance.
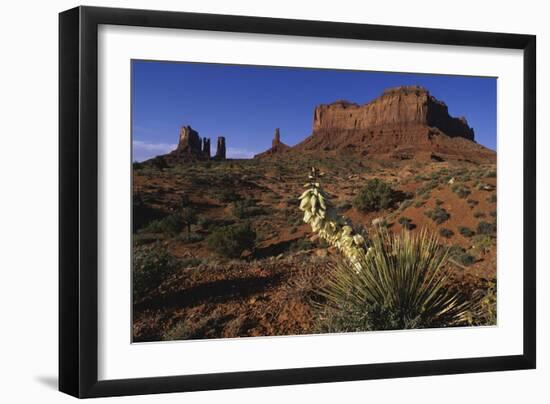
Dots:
(460, 255)
(406, 223)
(188, 216)
(246, 208)
(484, 311)
(232, 241)
(227, 195)
(438, 214)
(461, 191)
(466, 231)
(402, 284)
(447, 233)
(171, 224)
(152, 264)
(482, 243)
(375, 195)
(486, 228)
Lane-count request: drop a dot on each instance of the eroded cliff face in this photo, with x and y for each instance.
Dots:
(402, 123)
(192, 147)
(401, 106)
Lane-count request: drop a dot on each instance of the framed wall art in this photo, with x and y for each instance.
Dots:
(251, 201)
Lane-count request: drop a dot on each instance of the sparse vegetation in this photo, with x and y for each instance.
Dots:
(259, 279)
(447, 233)
(438, 214)
(151, 265)
(171, 225)
(375, 195)
(460, 255)
(484, 227)
(466, 231)
(406, 223)
(232, 241)
(246, 208)
(461, 190)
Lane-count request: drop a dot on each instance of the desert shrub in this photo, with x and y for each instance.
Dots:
(447, 233)
(472, 203)
(406, 223)
(375, 195)
(151, 265)
(188, 216)
(484, 311)
(491, 174)
(493, 213)
(438, 202)
(438, 214)
(484, 227)
(185, 200)
(232, 241)
(482, 243)
(461, 256)
(492, 198)
(246, 208)
(190, 237)
(466, 231)
(205, 222)
(460, 190)
(478, 215)
(419, 204)
(401, 285)
(227, 195)
(171, 224)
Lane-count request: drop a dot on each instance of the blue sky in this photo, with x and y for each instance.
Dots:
(246, 103)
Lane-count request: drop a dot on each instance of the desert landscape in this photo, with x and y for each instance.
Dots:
(225, 247)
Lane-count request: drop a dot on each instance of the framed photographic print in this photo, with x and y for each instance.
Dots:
(251, 201)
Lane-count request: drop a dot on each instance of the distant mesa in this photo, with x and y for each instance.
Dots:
(277, 147)
(402, 123)
(192, 147)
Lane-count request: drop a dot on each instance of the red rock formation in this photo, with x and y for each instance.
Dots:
(189, 141)
(404, 122)
(206, 147)
(396, 106)
(277, 146)
(190, 147)
(220, 150)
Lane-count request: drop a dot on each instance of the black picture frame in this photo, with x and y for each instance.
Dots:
(78, 201)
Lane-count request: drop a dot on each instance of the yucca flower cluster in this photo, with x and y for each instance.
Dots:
(322, 217)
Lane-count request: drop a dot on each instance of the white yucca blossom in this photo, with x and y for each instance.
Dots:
(324, 221)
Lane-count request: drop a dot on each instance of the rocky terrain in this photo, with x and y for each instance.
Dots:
(192, 212)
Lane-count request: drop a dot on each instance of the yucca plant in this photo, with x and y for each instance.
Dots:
(402, 284)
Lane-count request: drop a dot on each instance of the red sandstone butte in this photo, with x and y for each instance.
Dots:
(402, 123)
